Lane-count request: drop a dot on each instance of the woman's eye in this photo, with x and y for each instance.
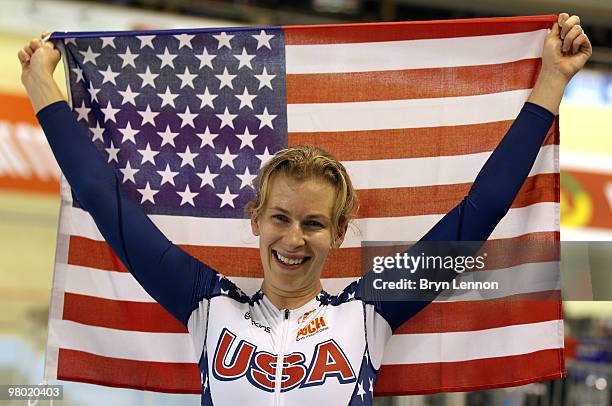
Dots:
(313, 223)
(280, 217)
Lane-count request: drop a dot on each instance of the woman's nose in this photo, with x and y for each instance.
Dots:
(294, 237)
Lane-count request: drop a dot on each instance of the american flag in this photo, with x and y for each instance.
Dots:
(413, 110)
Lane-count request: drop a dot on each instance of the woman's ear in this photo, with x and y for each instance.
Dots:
(254, 225)
(340, 239)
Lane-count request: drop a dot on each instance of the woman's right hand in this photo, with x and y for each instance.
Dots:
(38, 60)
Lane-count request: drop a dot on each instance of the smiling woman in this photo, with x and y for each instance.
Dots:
(290, 343)
(304, 202)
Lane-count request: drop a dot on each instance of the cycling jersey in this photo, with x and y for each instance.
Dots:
(326, 352)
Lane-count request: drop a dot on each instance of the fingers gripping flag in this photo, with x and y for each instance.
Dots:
(187, 117)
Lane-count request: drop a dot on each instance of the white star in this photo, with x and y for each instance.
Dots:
(207, 138)
(167, 175)
(187, 118)
(168, 137)
(263, 39)
(245, 59)
(226, 197)
(266, 119)
(184, 40)
(186, 78)
(109, 76)
(98, 132)
(265, 157)
(371, 390)
(108, 42)
(207, 178)
(360, 391)
(187, 157)
(246, 178)
(226, 118)
(147, 194)
(226, 79)
(224, 40)
(146, 41)
(246, 139)
(70, 41)
(168, 98)
(205, 385)
(148, 78)
(79, 74)
(128, 173)
(187, 196)
(207, 98)
(128, 58)
(226, 291)
(227, 159)
(206, 59)
(109, 113)
(246, 99)
(112, 153)
(128, 133)
(83, 112)
(148, 116)
(365, 355)
(167, 59)
(148, 154)
(129, 96)
(89, 56)
(351, 296)
(93, 92)
(265, 80)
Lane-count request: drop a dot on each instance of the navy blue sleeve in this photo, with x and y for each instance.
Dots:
(172, 277)
(487, 202)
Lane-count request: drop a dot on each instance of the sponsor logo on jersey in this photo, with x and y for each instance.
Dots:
(255, 323)
(304, 316)
(235, 361)
(315, 326)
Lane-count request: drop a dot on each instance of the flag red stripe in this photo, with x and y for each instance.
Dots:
(377, 32)
(415, 378)
(411, 83)
(245, 262)
(440, 317)
(412, 201)
(120, 315)
(435, 318)
(489, 373)
(410, 142)
(124, 373)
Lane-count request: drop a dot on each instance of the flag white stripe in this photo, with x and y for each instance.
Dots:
(539, 217)
(107, 285)
(413, 113)
(464, 346)
(446, 170)
(402, 348)
(134, 345)
(523, 278)
(414, 54)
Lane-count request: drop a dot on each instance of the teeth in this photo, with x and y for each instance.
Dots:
(289, 261)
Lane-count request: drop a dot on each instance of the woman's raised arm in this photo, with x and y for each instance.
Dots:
(172, 277)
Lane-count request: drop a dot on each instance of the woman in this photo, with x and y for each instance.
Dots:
(290, 343)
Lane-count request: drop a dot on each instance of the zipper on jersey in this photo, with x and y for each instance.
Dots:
(280, 357)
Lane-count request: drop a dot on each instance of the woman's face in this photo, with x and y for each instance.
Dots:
(295, 230)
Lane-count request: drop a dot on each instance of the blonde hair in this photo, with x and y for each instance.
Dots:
(303, 162)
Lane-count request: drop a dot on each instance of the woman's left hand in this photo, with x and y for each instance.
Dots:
(566, 48)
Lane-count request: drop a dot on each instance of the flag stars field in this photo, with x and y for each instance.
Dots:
(185, 105)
